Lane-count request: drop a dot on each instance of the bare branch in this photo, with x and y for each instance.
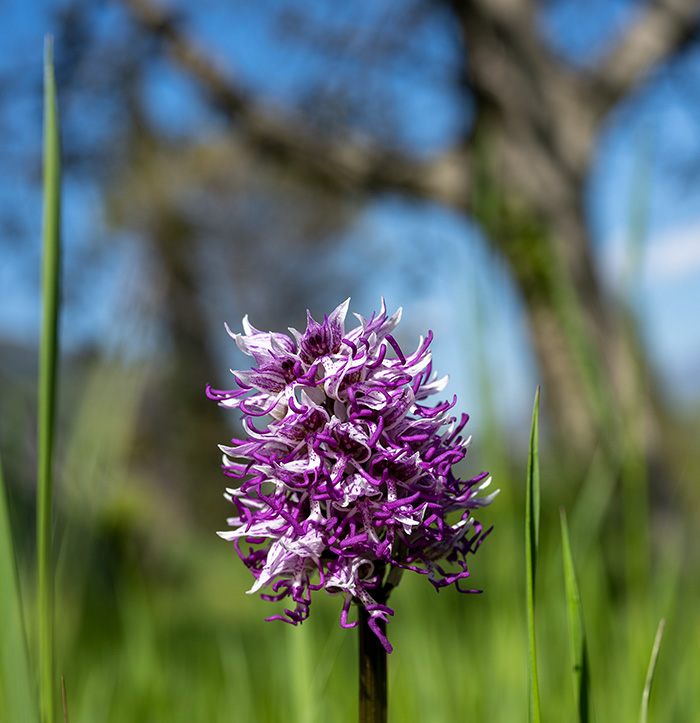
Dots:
(663, 27)
(346, 163)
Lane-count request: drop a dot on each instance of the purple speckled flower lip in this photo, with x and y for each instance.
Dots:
(351, 481)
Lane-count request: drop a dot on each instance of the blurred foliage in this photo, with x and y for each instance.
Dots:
(153, 621)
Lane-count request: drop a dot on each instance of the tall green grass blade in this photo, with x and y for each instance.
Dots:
(64, 699)
(532, 531)
(577, 633)
(48, 354)
(17, 695)
(644, 713)
(635, 397)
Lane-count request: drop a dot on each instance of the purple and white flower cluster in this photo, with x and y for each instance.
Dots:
(351, 481)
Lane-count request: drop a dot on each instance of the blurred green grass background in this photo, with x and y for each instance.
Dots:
(153, 622)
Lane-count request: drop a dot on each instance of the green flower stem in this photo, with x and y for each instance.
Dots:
(48, 354)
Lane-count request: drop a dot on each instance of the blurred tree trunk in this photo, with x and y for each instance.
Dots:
(533, 140)
(203, 217)
(177, 425)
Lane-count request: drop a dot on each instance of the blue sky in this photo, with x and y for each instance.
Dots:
(470, 287)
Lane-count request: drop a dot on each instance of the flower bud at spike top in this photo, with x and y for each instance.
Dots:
(345, 477)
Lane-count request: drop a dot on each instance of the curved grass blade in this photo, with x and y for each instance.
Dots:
(643, 714)
(17, 694)
(48, 688)
(532, 531)
(577, 633)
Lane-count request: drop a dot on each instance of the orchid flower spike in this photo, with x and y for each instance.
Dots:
(345, 476)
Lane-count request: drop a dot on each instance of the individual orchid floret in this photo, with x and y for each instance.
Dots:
(350, 481)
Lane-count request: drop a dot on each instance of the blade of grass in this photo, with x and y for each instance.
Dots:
(650, 672)
(64, 698)
(48, 688)
(532, 531)
(577, 633)
(635, 397)
(17, 696)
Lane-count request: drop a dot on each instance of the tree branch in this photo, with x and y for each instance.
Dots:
(662, 28)
(344, 163)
